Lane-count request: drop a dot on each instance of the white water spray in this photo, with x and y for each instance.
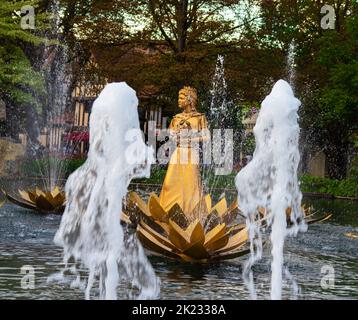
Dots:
(90, 229)
(291, 66)
(270, 181)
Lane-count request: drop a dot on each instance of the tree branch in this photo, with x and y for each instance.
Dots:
(157, 21)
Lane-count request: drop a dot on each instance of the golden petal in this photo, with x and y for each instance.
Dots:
(240, 251)
(235, 241)
(178, 236)
(156, 209)
(215, 234)
(262, 211)
(208, 202)
(33, 196)
(320, 219)
(43, 204)
(39, 192)
(138, 201)
(236, 228)
(50, 199)
(308, 212)
(61, 195)
(153, 244)
(125, 218)
(218, 244)
(195, 232)
(55, 192)
(59, 200)
(2, 203)
(220, 207)
(234, 205)
(154, 224)
(186, 258)
(23, 204)
(197, 251)
(351, 235)
(176, 214)
(163, 240)
(164, 227)
(25, 195)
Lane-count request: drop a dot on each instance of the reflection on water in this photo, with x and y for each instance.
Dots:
(26, 239)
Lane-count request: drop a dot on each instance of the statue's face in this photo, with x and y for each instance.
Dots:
(183, 100)
(187, 100)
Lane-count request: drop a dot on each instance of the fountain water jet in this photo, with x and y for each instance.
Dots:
(270, 181)
(90, 229)
(291, 67)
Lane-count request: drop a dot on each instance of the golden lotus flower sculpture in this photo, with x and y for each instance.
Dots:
(309, 215)
(351, 235)
(207, 233)
(40, 201)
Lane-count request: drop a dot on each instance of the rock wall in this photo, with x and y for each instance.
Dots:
(9, 153)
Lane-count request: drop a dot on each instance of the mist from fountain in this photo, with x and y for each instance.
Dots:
(90, 229)
(224, 124)
(270, 181)
(56, 67)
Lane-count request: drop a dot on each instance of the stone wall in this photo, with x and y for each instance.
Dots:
(9, 153)
(317, 164)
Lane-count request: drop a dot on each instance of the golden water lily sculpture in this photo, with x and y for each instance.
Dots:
(39, 200)
(209, 233)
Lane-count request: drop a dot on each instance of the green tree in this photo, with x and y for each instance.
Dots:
(22, 86)
(336, 101)
(20, 83)
(326, 69)
(157, 43)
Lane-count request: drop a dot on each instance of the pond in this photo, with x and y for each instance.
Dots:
(26, 239)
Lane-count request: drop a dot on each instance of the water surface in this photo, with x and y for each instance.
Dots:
(26, 238)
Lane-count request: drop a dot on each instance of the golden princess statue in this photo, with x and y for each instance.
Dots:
(182, 223)
(182, 184)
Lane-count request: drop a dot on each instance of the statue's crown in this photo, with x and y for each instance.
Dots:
(189, 90)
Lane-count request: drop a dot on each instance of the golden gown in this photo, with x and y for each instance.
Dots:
(182, 183)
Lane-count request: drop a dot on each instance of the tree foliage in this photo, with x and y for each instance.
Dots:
(20, 83)
(326, 70)
(163, 44)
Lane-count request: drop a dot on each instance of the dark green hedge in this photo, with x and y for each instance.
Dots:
(344, 188)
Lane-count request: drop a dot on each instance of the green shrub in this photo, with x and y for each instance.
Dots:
(344, 188)
(42, 167)
(157, 175)
(353, 170)
(211, 180)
